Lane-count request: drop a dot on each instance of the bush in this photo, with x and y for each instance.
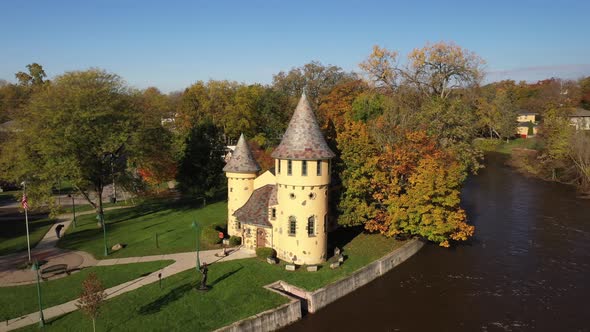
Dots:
(264, 253)
(235, 240)
(210, 235)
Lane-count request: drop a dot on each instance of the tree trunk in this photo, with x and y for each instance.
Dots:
(93, 324)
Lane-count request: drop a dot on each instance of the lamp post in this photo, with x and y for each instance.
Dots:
(104, 232)
(36, 269)
(196, 227)
(25, 205)
(73, 209)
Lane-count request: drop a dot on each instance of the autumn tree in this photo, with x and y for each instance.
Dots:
(317, 79)
(92, 298)
(153, 145)
(434, 70)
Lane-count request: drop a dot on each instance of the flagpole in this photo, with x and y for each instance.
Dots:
(26, 207)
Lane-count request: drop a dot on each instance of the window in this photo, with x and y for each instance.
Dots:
(304, 168)
(273, 213)
(311, 196)
(279, 162)
(311, 226)
(289, 167)
(292, 225)
(319, 169)
(231, 190)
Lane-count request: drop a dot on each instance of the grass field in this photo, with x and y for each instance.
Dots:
(179, 307)
(506, 147)
(236, 293)
(20, 300)
(137, 228)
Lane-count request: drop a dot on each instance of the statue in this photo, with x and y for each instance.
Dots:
(204, 269)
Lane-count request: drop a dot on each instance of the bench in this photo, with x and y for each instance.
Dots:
(54, 270)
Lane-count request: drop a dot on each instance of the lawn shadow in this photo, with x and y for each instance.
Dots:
(174, 295)
(225, 276)
(341, 237)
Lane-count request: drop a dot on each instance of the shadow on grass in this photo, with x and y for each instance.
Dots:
(174, 295)
(341, 237)
(225, 276)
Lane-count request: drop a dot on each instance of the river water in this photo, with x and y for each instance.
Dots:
(527, 268)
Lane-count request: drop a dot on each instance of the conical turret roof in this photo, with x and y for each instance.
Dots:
(242, 160)
(303, 139)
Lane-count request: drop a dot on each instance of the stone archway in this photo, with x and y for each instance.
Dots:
(260, 238)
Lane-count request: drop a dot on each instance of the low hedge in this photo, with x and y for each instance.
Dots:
(264, 253)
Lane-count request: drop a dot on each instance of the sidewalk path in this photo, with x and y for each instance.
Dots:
(183, 262)
(11, 272)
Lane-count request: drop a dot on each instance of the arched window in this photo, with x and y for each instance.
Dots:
(289, 167)
(304, 168)
(292, 225)
(311, 226)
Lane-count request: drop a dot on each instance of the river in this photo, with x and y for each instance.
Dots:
(527, 268)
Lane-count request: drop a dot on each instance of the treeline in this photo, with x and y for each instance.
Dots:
(403, 130)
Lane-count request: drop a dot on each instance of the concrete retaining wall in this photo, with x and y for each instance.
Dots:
(326, 295)
(286, 314)
(270, 320)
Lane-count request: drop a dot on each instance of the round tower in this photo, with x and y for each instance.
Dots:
(241, 171)
(302, 168)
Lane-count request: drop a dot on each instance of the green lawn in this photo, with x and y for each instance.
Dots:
(7, 196)
(137, 227)
(236, 293)
(178, 307)
(20, 300)
(13, 233)
(506, 147)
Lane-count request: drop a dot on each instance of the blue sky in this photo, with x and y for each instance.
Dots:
(171, 44)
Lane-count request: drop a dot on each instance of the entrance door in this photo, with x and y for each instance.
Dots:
(260, 238)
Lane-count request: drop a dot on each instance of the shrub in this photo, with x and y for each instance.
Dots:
(210, 235)
(235, 240)
(264, 253)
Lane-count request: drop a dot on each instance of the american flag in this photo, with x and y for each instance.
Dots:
(24, 202)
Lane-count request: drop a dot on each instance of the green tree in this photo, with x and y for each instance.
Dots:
(200, 168)
(34, 77)
(71, 130)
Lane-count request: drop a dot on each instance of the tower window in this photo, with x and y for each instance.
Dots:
(311, 226)
(279, 168)
(292, 225)
(273, 213)
(319, 168)
(289, 167)
(304, 168)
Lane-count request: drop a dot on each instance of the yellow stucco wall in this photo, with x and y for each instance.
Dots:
(239, 188)
(526, 118)
(264, 179)
(525, 130)
(301, 197)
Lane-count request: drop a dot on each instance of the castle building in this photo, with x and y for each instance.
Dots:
(287, 209)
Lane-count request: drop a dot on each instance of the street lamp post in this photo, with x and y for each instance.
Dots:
(196, 227)
(41, 318)
(104, 232)
(25, 205)
(73, 209)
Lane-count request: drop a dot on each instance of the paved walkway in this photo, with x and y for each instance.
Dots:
(11, 275)
(183, 262)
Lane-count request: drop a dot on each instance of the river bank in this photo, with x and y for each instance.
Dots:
(525, 268)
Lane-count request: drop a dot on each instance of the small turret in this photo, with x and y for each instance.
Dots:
(241, 171)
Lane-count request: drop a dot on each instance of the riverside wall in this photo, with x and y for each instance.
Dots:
(312, 301)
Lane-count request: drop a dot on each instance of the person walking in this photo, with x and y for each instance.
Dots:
(58, 230)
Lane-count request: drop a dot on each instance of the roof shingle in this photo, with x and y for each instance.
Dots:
(303, 139)
(255, 211)
(242, 160)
